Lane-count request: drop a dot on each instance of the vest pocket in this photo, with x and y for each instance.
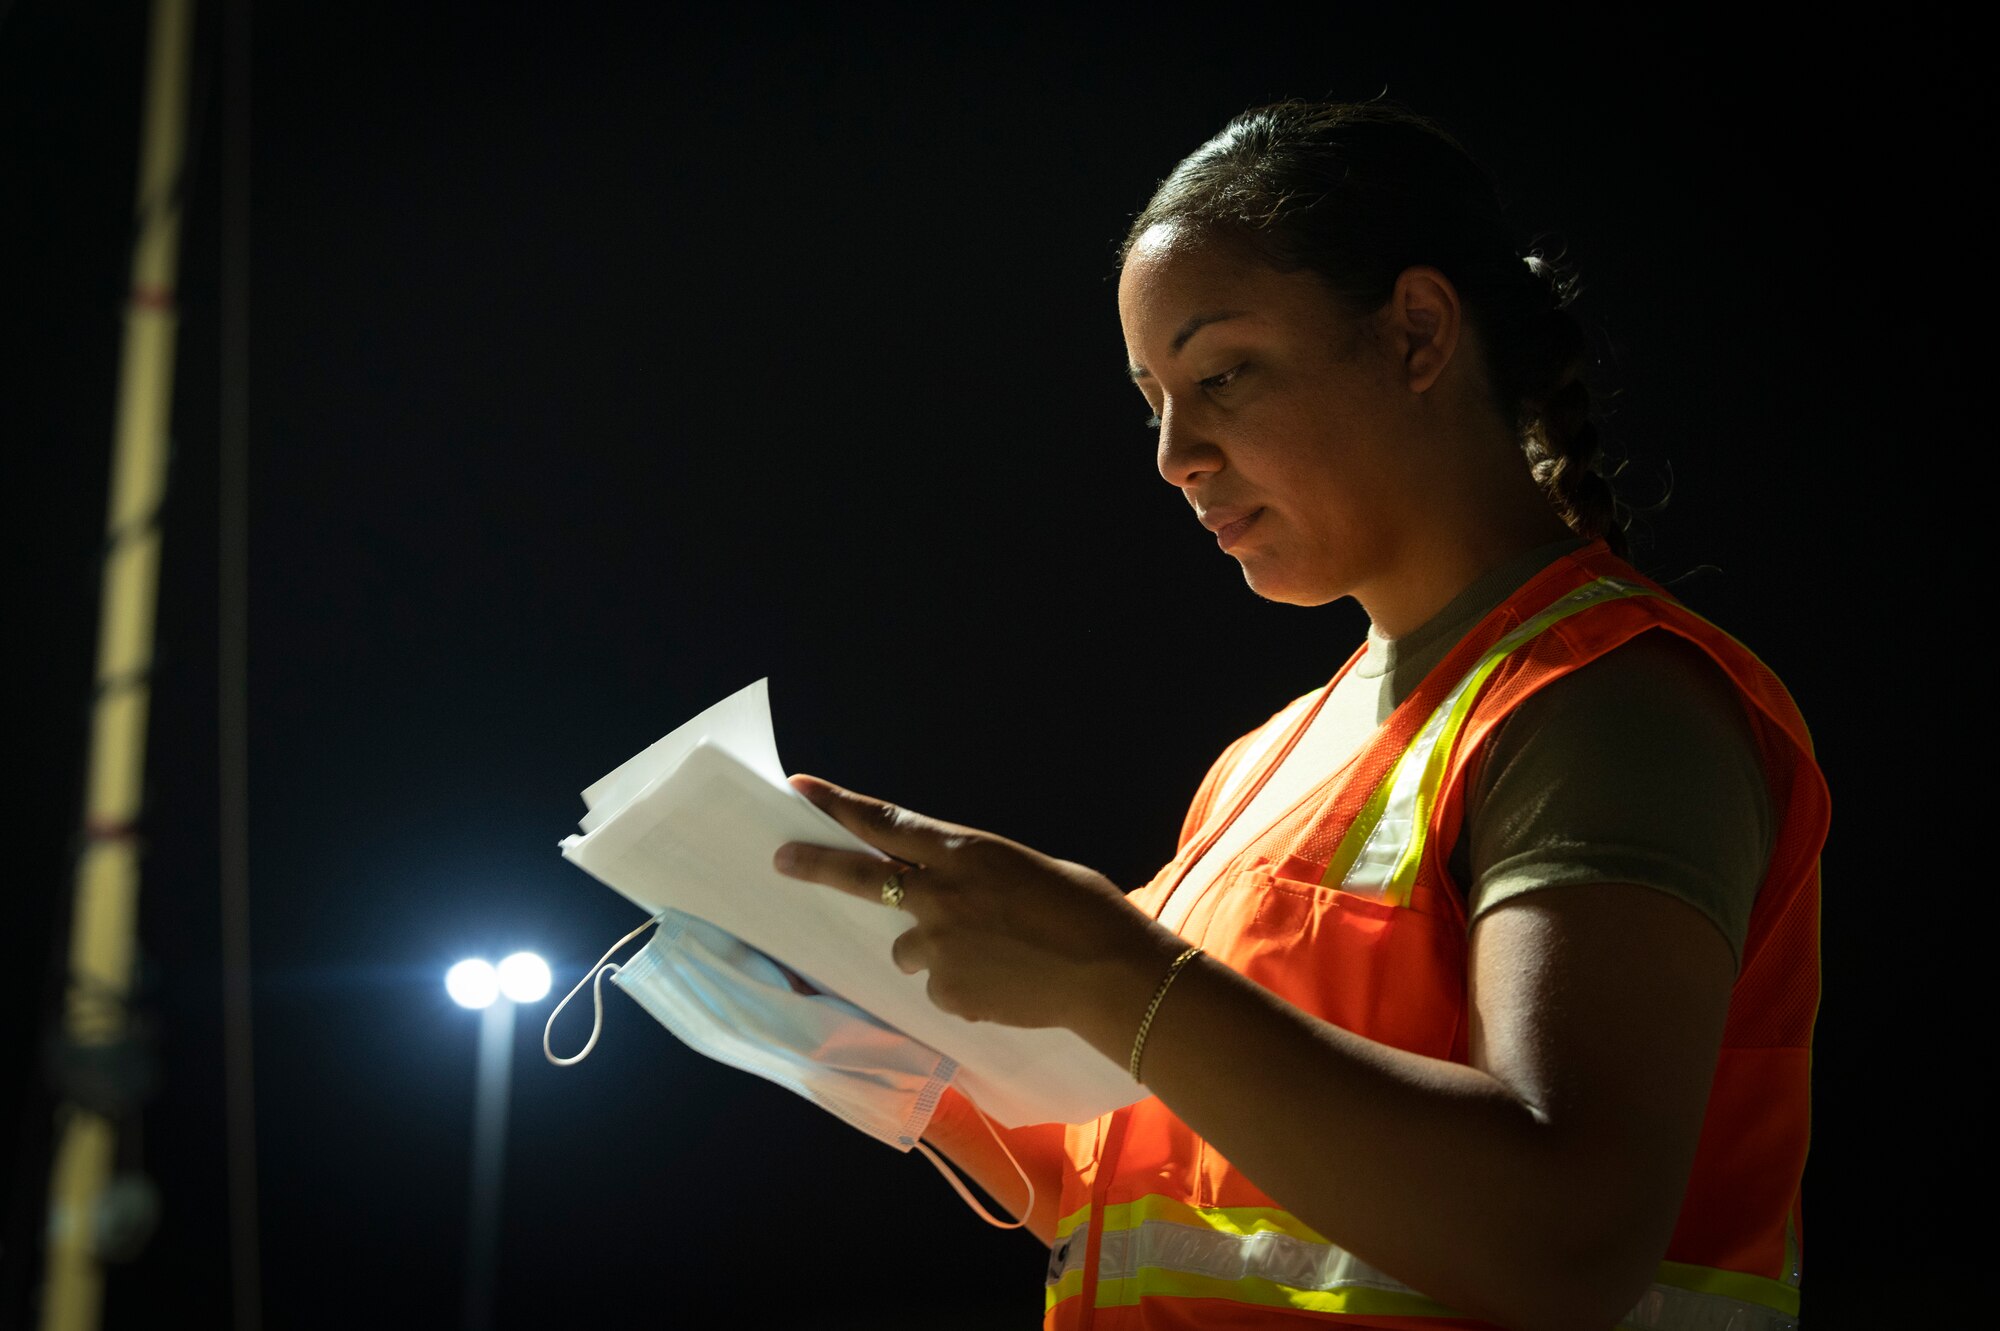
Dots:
(1391, 973)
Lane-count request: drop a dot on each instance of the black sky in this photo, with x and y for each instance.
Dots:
(607, 358)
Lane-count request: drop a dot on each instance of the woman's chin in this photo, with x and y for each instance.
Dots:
(1272, 584)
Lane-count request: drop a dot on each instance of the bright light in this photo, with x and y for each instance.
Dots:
(524, 977)
(472, 983)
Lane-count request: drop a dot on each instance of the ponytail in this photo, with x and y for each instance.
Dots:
(1554, 416)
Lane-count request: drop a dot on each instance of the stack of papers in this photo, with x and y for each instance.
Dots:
(691, 825)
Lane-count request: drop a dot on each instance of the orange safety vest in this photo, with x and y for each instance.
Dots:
(1344, 909)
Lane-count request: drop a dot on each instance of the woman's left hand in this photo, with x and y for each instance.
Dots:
(1007, 934)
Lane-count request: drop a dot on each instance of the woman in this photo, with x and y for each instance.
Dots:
(1481, 987)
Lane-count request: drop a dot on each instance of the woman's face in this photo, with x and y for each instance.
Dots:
(1279, 416)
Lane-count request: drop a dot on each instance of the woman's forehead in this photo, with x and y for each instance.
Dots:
(1173, 277)
(1165, 277)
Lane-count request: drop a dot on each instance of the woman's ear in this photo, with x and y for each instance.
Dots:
(1424, 323)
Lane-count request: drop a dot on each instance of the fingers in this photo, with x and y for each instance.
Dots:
(850, 871)
(909, 952)
(910, 838)
(907, 836)
(858, 875)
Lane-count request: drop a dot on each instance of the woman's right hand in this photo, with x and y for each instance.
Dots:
(1006, 933)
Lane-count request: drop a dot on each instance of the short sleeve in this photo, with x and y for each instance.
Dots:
(1640, 767)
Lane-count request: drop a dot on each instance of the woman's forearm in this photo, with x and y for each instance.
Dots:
(1429, 1170)
(1532, 1204)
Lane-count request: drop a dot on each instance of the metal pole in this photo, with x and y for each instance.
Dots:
(489, 1146)
(104, 919)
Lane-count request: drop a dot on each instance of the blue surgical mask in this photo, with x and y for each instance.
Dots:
(723, 998)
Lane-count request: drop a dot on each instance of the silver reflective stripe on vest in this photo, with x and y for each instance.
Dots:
(1666, 1308)
(1166, 1246)
(1393, 824)
(1158, 1254)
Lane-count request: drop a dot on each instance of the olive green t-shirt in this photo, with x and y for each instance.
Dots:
(1640, 767)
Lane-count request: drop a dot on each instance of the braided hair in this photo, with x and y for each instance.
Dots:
(1358, 193)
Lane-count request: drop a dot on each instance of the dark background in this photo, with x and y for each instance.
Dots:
(607, 358)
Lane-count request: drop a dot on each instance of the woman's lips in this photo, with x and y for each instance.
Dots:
(1229, 533)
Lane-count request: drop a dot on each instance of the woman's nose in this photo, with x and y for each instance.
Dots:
(1182, 455)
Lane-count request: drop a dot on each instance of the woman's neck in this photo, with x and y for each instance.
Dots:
(1476, 516)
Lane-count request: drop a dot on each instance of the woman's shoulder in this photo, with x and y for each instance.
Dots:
(1640, 766)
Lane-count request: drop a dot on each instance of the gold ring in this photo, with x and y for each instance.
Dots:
(892, 889)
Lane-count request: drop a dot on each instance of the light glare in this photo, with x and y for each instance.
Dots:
(524, 977)
(472, 983)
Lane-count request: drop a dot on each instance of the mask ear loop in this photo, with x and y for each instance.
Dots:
(959, 1185)
(595, 979)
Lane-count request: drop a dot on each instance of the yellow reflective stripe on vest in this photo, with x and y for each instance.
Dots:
(1066, 1257)
(1382, 849)
(1156, 1247)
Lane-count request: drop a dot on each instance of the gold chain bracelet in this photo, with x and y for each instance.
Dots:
(1146, 1022)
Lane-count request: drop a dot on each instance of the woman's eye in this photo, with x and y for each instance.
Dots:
(1215, 383)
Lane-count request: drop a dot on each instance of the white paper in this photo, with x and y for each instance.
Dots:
(740, 723)
(692, 822)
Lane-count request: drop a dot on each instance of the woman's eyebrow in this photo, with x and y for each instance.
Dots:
(1187, 330)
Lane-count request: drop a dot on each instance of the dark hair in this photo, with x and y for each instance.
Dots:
(1360, 192)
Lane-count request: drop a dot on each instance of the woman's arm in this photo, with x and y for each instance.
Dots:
(1537, 1187)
